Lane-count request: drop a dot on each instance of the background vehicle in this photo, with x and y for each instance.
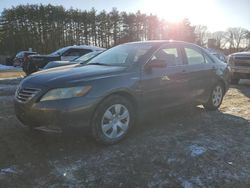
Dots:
(36, 62)
(240, 66)
(217, 54)
(21, 56)
(120, 85)
(79, 60)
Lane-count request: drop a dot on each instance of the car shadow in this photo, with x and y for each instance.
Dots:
(187, 113)
(78, 141)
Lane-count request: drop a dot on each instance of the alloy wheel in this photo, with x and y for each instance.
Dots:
(217, 95)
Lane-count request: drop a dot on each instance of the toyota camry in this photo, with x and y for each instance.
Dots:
(121, 85)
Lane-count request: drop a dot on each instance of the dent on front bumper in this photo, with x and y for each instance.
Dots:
(54, 116)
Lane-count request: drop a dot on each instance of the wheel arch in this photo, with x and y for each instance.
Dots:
(121, 93)
(222, 82)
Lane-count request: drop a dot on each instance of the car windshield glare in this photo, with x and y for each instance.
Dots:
(86, 57)
(122, 55)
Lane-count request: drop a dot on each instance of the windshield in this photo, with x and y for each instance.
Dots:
(20, 54)
(60, 51)
(87, 56)
(122, 55)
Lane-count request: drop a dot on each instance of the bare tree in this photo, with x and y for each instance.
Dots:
(202, 34)
(235, 36)
(220, 37)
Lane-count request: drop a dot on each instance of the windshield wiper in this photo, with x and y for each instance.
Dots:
(97, 64)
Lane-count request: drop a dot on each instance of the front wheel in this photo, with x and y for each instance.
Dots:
(112, 120)
(216, 97)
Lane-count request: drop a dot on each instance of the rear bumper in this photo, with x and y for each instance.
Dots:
(54, 116)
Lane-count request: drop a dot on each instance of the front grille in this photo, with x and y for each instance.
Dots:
(245, 64)
(25, 94)
(243, 58)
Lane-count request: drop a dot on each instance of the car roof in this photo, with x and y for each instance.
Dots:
(159, 42)
(25, 52)
(89, 47)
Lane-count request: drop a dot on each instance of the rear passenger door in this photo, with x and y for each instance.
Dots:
(199, 72)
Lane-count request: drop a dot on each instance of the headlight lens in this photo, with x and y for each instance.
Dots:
(65, 93)
(230, 60)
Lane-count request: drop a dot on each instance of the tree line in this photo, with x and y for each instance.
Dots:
(232, 40)
(45, 28)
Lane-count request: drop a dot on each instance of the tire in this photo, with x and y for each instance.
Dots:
(112, 120)
(215, 98)
(234, 81)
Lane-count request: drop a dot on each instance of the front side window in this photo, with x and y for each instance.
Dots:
(168, 54)
(194, 57)
(122, 55)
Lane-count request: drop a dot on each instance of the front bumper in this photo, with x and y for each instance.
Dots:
(54, 116)
(240, 69)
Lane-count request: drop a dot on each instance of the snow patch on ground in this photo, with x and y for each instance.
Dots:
(197, 150)
(10, 170)
(187, 184)
(67, 172)
(5, 68)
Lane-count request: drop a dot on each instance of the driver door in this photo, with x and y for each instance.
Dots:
(164, 86)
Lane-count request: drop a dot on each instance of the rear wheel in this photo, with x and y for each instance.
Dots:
(215, 98)
(113, 119)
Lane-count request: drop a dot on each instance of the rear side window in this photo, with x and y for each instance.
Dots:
(194, 57)
(170, 55)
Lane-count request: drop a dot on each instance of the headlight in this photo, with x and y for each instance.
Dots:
(65, 93)
(231, 60)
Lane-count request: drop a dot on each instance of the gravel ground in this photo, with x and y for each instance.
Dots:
(186, 148)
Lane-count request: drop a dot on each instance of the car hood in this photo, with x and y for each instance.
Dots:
(72, 74)
(59, 62)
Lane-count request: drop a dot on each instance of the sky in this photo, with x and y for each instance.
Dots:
(215, 14)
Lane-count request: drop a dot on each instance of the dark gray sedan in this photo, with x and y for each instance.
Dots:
(120, 86)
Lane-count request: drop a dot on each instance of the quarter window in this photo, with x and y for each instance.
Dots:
(194, 57)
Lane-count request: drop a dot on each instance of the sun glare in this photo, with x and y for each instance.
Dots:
(198, 11)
